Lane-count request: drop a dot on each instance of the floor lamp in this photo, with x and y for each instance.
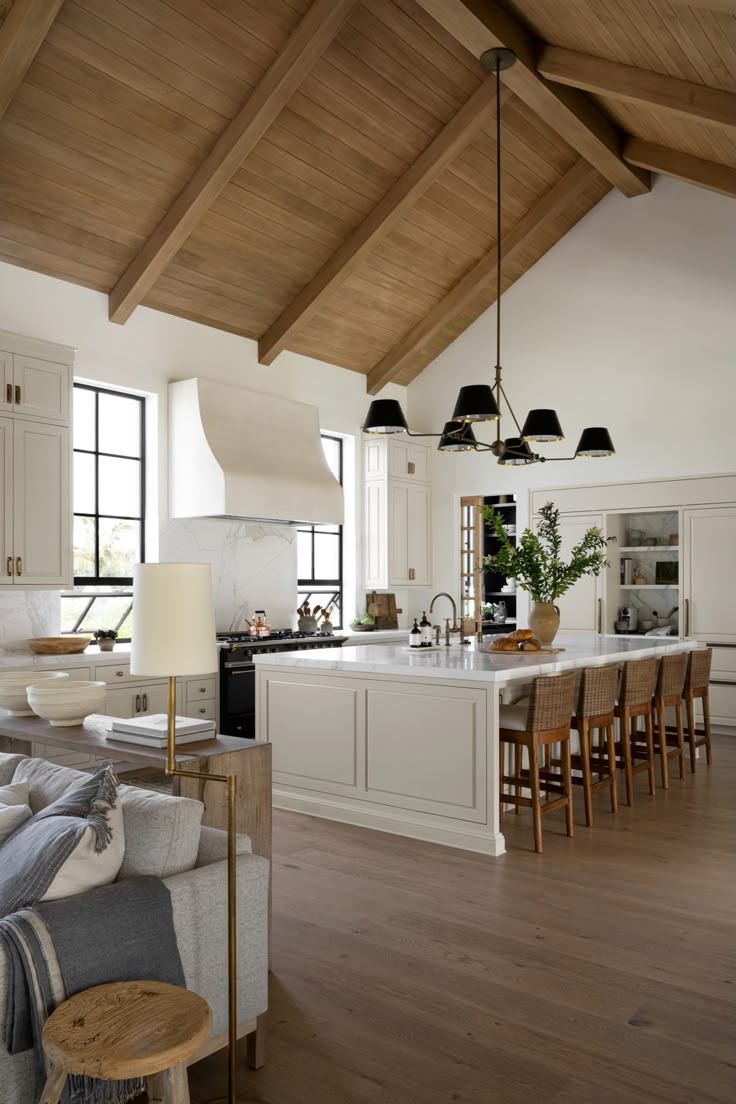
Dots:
(173, 636)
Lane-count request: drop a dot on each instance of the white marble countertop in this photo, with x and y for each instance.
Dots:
(470, 664)
(19, 660)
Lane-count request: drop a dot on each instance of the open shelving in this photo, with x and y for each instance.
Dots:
(649, 597)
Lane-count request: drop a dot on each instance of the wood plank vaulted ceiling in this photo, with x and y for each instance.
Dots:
(319, 174)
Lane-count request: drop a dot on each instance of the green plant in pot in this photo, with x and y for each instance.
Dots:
(537, 565)
(106, 639)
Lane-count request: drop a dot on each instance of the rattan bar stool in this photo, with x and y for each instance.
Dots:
(545, 720)
(595, 712)
(668, 694)
(697, 682)
(635, 700)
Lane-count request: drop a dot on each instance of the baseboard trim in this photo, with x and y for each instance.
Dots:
(491, 844)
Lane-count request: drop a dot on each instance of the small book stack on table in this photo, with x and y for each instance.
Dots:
(152, 730)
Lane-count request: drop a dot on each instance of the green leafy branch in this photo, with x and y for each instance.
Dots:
(536, 562)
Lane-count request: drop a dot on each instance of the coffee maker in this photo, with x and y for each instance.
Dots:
(628, 615)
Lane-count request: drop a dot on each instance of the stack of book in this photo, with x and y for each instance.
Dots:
(152, 730)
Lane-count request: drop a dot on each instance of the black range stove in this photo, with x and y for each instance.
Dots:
(238, 672)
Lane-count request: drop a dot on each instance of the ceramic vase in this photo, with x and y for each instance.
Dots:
(544, 621)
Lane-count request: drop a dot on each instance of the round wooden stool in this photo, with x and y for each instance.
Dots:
(125, 1030)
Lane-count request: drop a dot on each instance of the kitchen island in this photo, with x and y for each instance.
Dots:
(403, 741)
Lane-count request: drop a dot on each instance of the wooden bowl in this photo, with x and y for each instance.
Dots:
(59, 645)
(362, 628)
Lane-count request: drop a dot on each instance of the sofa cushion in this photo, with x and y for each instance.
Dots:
(161, 831)
(8, 762)
(14, 808)
(73, 845)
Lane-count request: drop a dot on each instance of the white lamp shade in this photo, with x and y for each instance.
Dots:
(173, 620)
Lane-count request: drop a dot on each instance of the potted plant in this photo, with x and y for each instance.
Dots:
(537, 566)
(366, 623)
(106, 639)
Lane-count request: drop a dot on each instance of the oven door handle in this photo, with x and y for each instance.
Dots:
(241, 671)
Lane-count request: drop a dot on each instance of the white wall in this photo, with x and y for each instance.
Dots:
(254, 566)
(629, 322)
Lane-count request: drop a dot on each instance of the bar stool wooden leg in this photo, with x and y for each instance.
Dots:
(680, 739)
(54, 1086)
(706, 725)
(567, 784)
(625, 734)
(518, 760)
(662, 739)
(649, 730)
(584, 732)
(611, 740)
(690, 706)
(536, 801)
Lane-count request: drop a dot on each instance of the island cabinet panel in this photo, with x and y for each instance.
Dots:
(317, 728)
(427, 751)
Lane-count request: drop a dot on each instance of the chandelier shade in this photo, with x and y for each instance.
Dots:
(476, 403)
(515, 452)
(385, 416)
(595, 441)
(542, 425)
(456, 438)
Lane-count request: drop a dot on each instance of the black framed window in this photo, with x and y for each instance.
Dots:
(109, 507)
(320, 550)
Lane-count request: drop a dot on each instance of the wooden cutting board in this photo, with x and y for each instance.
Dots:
(383, 608)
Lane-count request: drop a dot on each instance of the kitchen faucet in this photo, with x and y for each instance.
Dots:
(455, 628)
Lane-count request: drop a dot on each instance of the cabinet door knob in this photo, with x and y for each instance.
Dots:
(18, 566)
(202, 689)
(9, 566)
(202, 709)
(17, 393)
(120, 673)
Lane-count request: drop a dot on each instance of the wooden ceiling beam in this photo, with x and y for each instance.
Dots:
(481, 277)
(693, 170)
(625, 82)
(21, 35)
(430, 163)
(304, 48)
(481, 25)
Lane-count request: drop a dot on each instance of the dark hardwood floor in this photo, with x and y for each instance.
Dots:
(600, 972)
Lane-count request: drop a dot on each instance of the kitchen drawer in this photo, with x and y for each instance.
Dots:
(79, 674)
(201, 689)
(722, 703)
(115, 674)
(203, 710)
(724, 663)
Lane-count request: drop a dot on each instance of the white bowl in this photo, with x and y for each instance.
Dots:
(13, 685)
(68, 703)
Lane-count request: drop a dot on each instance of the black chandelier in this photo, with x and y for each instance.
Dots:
(480, 402)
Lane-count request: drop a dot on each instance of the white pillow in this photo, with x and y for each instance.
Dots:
(86, 868)
(14, 808)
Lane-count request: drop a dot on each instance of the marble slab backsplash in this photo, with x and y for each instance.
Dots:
(253, 566)
(27, 613)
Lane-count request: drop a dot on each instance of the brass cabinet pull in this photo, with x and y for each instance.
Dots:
(600, 615)
(9, 393)
(9, 566)
(202, 710)
(18, 566)
(17, 393)
(687, 617)
(137, 703)
(145, 703)
(236, 673)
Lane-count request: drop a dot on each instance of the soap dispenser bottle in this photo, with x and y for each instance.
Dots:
(425, 629)
(415, 636)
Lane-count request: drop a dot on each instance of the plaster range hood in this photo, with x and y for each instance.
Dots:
(236, 453)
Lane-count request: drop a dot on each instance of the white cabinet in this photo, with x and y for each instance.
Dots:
(409, 534)
(41, 520)
(140, 700)
(35, 464)
(709, 541)
(581, 608)
(397, 521)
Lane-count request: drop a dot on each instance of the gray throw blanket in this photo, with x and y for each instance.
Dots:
(120, 932)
